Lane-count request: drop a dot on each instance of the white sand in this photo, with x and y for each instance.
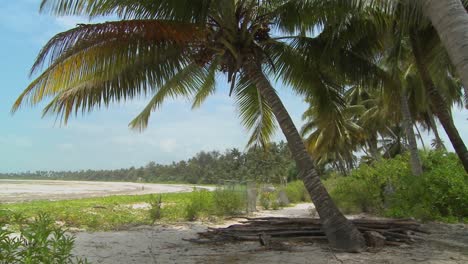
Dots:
(165, 244)
(17, 190)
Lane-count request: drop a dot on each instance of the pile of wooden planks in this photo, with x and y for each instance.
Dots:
(391, 232)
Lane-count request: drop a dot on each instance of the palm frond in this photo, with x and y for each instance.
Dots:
(208, 87)
(80, 39)
(183, 84)
(255, 113)
(178, 10)
(99, 53)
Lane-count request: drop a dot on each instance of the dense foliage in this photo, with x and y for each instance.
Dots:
(39, 241)
(388, 188)
(205, 167)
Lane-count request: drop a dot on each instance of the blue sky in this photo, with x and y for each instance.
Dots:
(102, 139)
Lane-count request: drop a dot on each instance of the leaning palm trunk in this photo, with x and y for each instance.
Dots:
(340, 232)
(450, 19)
(415, 161)
(439, 104)
(373, 148)
(439, 144)
(420, 137)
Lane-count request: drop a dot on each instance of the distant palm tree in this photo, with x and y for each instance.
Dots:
(170, 48)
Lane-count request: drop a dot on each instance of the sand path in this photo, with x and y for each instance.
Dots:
(164, 244)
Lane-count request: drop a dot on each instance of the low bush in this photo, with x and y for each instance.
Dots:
(388, 188)
(200, 204)
(266, 199)
(230, 201)
(155, 212)
(38, 242)
(296, 192)
(441, 193)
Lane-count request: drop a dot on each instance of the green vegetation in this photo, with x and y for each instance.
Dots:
(204, 168)
(267, 199)
(156, 208)
(230, 201)
(104, 213)
(39, 241)
(296, 192)
(388, 188)
(441, 193)
(375, 69)
(199, 205)
(114, 212)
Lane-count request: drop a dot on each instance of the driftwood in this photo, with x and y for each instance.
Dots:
(377, 232)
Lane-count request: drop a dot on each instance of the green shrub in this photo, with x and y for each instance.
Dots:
(275, 205)
(155, 212)
(229, 201)
(296, 192)
(200, 203)
(38, 242)
(355, 195)
(267, 199)
(440, 193)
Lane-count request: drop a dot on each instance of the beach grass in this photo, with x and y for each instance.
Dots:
(123, 211)
(100, 213)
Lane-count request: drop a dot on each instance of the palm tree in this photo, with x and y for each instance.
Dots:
(451, 22)
(168, 48)
(407, 18)
(388, 66)
(429, 59)
(415, 160)
(440, 103)
(331, 134)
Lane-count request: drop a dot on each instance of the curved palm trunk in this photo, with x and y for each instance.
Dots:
(373, 148)
(439, 143)
(420, 137)
(415, 161)
(439, 105)
(450, 19)
(340, 232)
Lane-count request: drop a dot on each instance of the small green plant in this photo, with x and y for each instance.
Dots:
(266, 200)
(229, 201)
(200, 203)
(296, 192)
(275, 205)
(155, 211)
(38, 242)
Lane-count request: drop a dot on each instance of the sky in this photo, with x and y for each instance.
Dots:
(102, 139)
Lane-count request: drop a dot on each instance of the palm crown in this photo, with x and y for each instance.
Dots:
(164, 49)
(177, 48)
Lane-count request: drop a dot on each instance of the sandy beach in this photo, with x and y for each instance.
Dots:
(447, 244)
(29, 190)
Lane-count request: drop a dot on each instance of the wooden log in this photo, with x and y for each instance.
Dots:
(393, 232)
(374, 239)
